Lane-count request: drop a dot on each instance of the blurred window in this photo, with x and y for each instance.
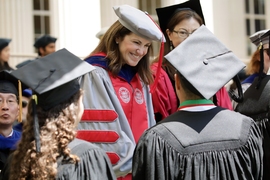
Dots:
(41, 18)
(255, 20)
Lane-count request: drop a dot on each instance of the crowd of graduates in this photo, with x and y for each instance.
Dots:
(117, 115)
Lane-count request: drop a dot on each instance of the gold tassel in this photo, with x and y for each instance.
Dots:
(20, 101)
(35, 98)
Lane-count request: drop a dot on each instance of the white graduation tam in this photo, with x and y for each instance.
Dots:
(261, 36)
(139, 22)
(205, 62)
(101, 32)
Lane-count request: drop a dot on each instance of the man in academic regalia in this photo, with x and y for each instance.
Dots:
(200, 140)
(257, 98)
(44, 45)
(9, 111)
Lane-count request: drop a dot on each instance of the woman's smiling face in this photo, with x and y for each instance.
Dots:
(133, 48)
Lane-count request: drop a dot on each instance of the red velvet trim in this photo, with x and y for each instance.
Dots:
(98, 115)
(100, 54)
(161, 52)
(97, 136)
(127, 177)
(113, 157)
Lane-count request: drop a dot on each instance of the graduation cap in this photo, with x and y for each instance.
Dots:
(10, 84)
(43, 41)
(143, 25)
(27, 93)
(139, 22)
(166, 13)
(23, 63)
(261, 39)
(4, 42)
(205, 62)
(53, 82)
(101, 32)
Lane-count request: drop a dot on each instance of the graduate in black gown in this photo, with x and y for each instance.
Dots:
(48, 148)
(200, 140)
(257, 98)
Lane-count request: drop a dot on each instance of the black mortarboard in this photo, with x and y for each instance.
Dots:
(23, 63)
(166, 13)
(4, 42)
(54, 81)
(8, 83)
(43, 41)
(211, 67)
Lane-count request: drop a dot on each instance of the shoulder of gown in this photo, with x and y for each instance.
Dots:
(93, 164)
(218, 145)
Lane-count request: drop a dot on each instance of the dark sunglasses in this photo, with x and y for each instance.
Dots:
(24, 104)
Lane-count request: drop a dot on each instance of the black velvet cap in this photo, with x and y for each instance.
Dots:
(166, 13)
(56, 80)
(8, 83)
(4, 42)
(43, 41)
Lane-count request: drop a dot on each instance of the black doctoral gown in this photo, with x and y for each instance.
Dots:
(93, 165)
(215, 144)
(256, 104)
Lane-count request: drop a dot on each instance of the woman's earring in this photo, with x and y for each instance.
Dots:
(171, 46)
(116, 42)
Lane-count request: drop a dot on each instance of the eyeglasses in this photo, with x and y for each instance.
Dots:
(9, 102)
(182, 33)
(24, 104)
(267, 51)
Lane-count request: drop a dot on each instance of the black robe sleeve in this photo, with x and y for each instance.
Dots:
(94, 164)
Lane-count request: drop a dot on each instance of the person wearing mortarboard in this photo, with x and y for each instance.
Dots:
(48, 148)
(4, 54)
(120, 85)
(9, 112)
(254, 66)
(201, 140)
(178, 22)
(256, 97)
(259, 63)
(44, 45)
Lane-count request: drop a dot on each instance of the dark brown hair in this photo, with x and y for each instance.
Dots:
(4, 65)
(190, 91)
(57, 130)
